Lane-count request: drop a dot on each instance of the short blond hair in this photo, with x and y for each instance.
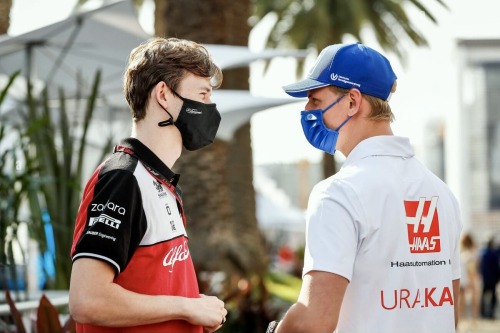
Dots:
(380, 109)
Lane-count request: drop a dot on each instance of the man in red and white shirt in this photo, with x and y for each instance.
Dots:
(132, 269)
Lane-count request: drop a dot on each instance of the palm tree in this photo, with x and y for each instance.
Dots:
(208, 185)
(319, 23)
(220, 199)
(218, 180)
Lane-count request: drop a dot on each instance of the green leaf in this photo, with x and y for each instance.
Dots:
(283, 285)
(4, 91)
(320, 23)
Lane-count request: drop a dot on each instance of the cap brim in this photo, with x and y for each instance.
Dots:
(300, 89)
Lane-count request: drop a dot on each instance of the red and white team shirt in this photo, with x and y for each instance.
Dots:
(392, 228)
(131, 217)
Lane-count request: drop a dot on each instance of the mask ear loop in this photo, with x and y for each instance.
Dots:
(331, 105)
(345, 121)
(171, 120)
(168, 121)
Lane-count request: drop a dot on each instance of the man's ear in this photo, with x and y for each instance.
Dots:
(160, 92)
(354, 98)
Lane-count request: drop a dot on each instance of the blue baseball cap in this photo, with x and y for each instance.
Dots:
(348, 66)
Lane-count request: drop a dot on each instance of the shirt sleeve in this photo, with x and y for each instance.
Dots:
(114, 220)
(331, 232)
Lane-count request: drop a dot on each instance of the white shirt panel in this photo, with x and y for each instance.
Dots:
(160, 206)
(391, 227)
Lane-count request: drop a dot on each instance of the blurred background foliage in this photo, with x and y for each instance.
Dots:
(51, 148)
(42, 164)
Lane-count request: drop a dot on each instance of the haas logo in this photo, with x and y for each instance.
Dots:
(422, 223)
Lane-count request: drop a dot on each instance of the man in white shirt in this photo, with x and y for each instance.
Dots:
(382, 238)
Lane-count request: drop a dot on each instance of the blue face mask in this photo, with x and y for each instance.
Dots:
(316, 132)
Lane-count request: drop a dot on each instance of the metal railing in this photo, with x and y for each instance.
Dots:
(57, 298)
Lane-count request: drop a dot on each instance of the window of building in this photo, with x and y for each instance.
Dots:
(492, 72)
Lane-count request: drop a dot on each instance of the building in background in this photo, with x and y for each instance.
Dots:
(479, 135)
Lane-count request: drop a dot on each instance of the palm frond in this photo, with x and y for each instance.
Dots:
(327, 22)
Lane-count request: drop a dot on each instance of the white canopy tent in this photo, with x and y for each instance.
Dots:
(68, 53)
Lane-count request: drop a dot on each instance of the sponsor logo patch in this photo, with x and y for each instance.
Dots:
(344, 79)
(422, 223)
(172, 226)
(96, 233)
(95, 207)
(193, 111)
(159, 188)
(106, 219)
(176, 254)
(418, 298)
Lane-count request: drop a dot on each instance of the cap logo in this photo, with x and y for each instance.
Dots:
(348, 66)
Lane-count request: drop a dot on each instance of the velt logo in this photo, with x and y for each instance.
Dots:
(422, 222)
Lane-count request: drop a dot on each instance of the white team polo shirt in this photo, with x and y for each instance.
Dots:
(392, 228)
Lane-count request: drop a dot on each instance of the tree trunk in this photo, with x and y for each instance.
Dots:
(5, 6)
(218, 180)
(329, 165)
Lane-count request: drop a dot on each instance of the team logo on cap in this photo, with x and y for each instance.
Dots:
(334, 77)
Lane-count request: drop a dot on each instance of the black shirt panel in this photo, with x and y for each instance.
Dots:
(116, 221)
(152, 163)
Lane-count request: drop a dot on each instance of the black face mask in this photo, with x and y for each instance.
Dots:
(198, 123)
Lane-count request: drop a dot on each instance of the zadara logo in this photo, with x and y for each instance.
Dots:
(422, 222)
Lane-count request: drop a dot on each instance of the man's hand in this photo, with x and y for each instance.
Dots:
(207, 311)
